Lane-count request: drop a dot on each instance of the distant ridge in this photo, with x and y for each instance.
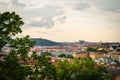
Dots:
(45, 42)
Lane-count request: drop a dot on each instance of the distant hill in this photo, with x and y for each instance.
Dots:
(45, 42)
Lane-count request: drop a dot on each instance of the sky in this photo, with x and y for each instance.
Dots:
(68, 20)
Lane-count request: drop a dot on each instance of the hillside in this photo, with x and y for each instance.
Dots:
(45, 42)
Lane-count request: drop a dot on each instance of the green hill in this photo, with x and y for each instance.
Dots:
(45, 42)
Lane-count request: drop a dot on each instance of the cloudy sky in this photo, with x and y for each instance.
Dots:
(68, 20)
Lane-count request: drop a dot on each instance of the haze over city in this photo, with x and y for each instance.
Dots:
(68, 20)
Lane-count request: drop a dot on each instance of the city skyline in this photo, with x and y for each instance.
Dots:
(68, 20)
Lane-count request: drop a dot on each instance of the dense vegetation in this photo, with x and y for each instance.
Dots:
(90, 49)
(81, 69)
(14, 65)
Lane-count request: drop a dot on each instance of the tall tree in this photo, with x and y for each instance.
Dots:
(9, 26)
(11, 67)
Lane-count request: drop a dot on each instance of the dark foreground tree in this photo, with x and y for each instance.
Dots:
(11, 69)
(10, 24)
(14, 66)
(10, 66)
(22, 46)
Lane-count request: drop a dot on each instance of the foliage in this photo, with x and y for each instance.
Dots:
(46, 54)
(92, 49)
(43, 70)
(69, 56)
(95, 50)
(11, 69)
(81, 69)
(9, 26)
(10, 66)
(65, 56)
(62, 55)
(22, 46)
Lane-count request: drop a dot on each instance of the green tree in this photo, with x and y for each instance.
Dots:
(62, 55)
(81, 69)
(9, 26)
(91, 49)
(11, 67)
(66, 56)
(22, 46)
(69, 56)
(43, 69)
(46, 54)
(63, 71)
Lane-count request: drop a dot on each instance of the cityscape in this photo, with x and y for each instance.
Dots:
(59, 39)
(105, 53)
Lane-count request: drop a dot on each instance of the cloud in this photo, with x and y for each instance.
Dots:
(111, 27)
(48, 22)
(81, 6)
(108, 5)
(47, 16)
(3, 7)
(14, 5)
(62, 19)
(44, 22)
